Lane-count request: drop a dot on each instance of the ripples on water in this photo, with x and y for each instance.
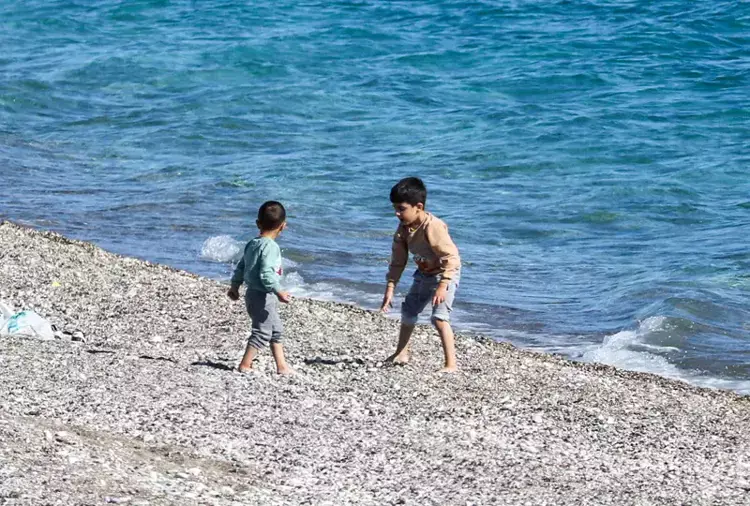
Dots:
(590, 157)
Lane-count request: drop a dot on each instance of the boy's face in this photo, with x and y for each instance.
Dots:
(407, 213)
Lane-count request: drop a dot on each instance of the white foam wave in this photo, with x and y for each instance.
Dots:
(292, 281)
(625, 350)
(333, 293)
(616, 350)
(221, 248)
(226, 249)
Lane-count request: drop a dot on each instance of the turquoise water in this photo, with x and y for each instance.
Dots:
(591, 158)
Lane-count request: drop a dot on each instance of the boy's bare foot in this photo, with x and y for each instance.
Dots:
(398, 359)
(448, 369)
(246, 364)
(285, 371)
(245, 370)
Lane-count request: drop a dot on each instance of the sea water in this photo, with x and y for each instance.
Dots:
(590, 157)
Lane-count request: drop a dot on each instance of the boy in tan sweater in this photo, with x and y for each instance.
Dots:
(438, 269)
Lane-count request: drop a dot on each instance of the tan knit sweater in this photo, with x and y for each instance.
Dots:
(432, 247)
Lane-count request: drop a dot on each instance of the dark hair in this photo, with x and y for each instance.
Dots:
(271, 215)
(410, 190)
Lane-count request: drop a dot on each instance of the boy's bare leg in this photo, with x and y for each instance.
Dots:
(402, 354)
(247, 359)
(449, 347)
(277, 350)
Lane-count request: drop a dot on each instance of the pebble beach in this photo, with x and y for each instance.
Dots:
(136, 401)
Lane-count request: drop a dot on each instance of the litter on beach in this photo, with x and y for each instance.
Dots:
(24, 323)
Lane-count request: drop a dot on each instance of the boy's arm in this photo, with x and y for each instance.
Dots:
(239, 273)
(447, 252)
(270, 257)
(399, 258)
(237, 278)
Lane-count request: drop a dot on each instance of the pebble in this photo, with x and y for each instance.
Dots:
(514, 427)
(116, 500)
(65, 437)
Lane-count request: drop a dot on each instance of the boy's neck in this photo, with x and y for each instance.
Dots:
(270, 234)
(421, 215)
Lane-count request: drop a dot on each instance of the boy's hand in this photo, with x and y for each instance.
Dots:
(284, 297)
(387, 298)
(233, 293)
(440, 293)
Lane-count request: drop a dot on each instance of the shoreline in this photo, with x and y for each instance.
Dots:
(146, 409)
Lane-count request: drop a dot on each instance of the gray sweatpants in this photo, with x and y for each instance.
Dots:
(263, 310)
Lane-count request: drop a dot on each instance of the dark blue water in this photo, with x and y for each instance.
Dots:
(590, 158)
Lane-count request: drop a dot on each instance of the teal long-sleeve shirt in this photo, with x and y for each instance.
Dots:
(260, 267)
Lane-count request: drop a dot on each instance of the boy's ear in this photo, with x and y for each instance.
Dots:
(283, 227)
(420, 206)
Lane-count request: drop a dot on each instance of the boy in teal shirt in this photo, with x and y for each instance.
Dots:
(260, 269)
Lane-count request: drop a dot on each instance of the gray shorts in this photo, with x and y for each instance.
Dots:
(263, 310)
(420, 294)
